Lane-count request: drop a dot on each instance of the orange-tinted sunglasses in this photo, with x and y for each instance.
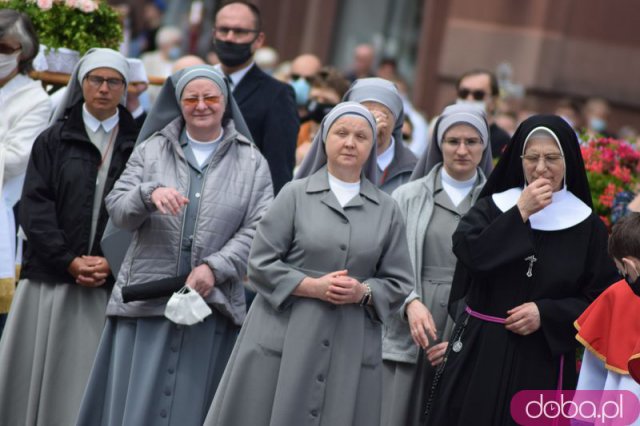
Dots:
(208, 100)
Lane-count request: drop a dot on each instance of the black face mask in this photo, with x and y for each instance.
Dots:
(232, 54)
(316, 111)
(635, 285)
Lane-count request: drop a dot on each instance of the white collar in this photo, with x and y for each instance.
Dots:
(342, 184)
(386, 157)
(94, 124)
(137, 112)
(460, 184)
(12, 86)
(237, 76)
(566, 210)
(198, 143)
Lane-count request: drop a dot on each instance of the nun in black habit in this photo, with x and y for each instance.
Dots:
(532, 255)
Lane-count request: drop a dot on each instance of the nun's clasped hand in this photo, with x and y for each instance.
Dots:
(89, 271)
(523, 319)
(336, 287)
(168, 200)
(421, 323)
(201, 279)
(343, 289)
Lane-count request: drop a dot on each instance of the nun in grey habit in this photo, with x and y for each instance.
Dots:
(445, 184)
(149, 370)
(54, 326)
(394, 161)
(303, 357)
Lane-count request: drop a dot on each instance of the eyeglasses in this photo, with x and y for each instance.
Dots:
(96, 82)
(5, 49)
(469, 143)
(240, 32)
(208, 101)
(549, 159)
(478, 95)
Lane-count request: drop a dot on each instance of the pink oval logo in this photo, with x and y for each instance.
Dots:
(558, 408)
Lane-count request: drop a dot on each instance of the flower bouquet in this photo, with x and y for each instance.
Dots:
(612, 166)
(70, 27)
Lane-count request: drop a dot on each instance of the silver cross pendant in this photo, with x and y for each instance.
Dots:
(531, 259)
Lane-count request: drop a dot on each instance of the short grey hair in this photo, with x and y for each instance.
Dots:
(17, 25)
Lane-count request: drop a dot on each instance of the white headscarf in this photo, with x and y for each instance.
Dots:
(95, 58)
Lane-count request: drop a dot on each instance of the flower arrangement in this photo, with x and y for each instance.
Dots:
(73, 24)
(612, 166)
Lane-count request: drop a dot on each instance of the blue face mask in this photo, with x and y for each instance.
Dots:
(174, 53)
(598, 124)
(302, 88)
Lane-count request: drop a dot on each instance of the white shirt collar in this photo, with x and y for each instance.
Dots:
(12, 86)
(94, 124)
(138, 111)
(566, 210)
(386, 157)
(237, 76)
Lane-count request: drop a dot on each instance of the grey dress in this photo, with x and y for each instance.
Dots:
(407, 382)
(304, 361)
(148, 370)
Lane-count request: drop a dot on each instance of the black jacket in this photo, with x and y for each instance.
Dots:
(57, 198)
(269, 109)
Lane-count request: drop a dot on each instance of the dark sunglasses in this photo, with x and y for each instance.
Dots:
(295, 77)
(478, 95)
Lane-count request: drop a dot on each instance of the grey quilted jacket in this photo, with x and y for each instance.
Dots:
(236, 193)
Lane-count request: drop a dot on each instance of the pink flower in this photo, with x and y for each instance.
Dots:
(87, 6)
(45, 4)
(71, 3)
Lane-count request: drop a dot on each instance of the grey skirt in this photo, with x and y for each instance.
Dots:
(150, 371)
(406, 385)
(47, 351)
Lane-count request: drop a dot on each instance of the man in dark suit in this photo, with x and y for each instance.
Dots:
(268, 105)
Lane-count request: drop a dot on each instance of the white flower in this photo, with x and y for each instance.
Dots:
(45, 4)
(87, 6)
(71, 3)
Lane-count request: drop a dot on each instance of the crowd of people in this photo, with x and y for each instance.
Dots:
(232, 248)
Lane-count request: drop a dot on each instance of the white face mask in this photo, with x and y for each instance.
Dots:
(8, 63)
(186, 307)
(478, 104)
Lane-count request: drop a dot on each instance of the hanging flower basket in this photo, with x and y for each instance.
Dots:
(61, 60)
(76, 25)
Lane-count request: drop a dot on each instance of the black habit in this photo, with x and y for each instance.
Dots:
(572, 267)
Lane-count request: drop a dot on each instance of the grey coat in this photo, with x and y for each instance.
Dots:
(304, 361)
(399, 171)
(416, 204)
(236, 193)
